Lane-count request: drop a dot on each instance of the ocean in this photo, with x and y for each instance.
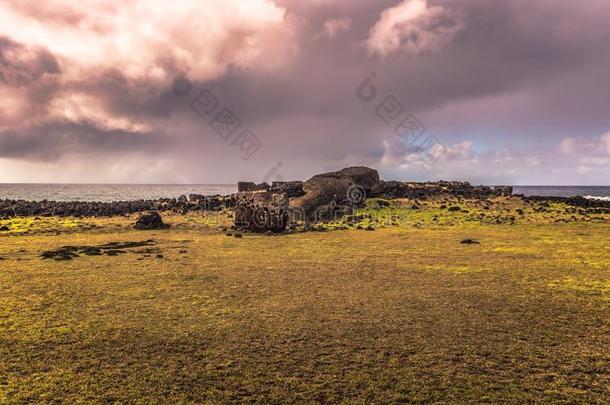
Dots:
(108, 192)
(127, 192)
(596, 192)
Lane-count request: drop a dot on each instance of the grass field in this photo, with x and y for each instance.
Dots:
(405, 313)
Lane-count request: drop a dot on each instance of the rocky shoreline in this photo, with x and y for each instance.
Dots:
(350, 186)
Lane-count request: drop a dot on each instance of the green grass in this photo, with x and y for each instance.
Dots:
(404, 313)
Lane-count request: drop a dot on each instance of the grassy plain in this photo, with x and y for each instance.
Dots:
(404, 313)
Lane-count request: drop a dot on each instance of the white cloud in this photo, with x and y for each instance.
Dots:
(590, 152)
(414, 28)
(145, 38)
(58, 51)
(335, 26)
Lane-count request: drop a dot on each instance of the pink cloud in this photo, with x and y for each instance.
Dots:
(414, 28)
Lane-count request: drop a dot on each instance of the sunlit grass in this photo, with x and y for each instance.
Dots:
(404, 313)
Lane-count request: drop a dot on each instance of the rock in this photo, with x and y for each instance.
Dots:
(470, 242)
(64, 253)
(149, 221)
(261, 211)
(4, 228)
(291, 188)
(503, 190)
(243, 186)
(392, 189)
(196, 198)
(454, 209)
(182, 199)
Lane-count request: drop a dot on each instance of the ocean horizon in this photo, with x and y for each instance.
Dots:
(107, 192)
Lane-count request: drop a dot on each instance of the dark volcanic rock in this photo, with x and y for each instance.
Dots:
(243, 186)
(109, 249)
(261, 211)
(600, 206)
(470, 242)
(413, 190)
(149, 221)
(196, 198)
(291, 188)
(503, 190)
(195, 202)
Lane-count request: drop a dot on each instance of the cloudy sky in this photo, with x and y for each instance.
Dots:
(211, 91)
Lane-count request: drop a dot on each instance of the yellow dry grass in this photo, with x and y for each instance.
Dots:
(403, 313)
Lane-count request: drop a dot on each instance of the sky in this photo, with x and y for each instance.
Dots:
(215, 91)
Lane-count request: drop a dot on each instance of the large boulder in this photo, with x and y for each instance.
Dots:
(149, 221)
(261, 211)
(244, 186)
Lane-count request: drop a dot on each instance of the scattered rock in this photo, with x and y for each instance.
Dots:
(109, 249)
(150, 221)
(470, 242)
(196, 198)
(64, 253)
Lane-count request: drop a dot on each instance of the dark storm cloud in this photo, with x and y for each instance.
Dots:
(504, 47)
(21, 65)
(473, 71)
(53, 139)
